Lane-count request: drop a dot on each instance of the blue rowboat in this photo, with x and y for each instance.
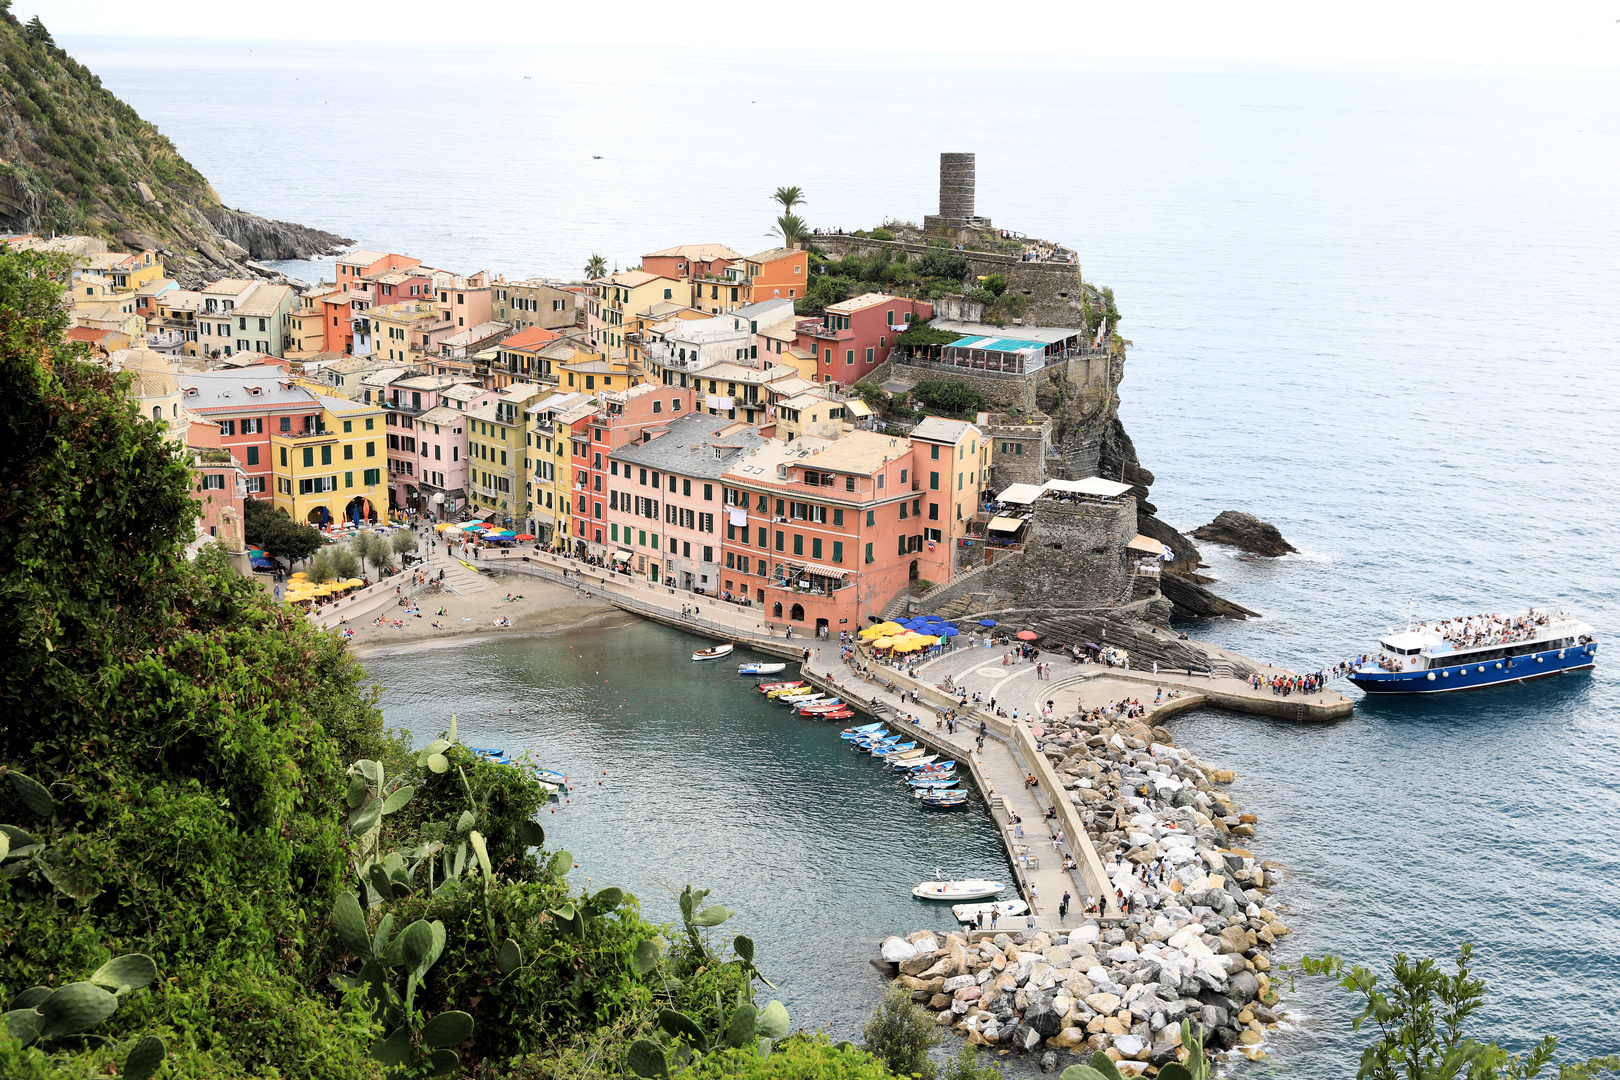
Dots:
(936, 785)
(893, 748)
(852, 732)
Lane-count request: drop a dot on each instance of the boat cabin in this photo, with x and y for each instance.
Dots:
(1405, 651)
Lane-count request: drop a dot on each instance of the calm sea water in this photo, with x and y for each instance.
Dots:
(1377, 308)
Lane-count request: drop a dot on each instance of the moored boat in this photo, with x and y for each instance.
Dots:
(760, 669)
(912, 764)
(1476, 651)
(716, 653)
(958, 890)
(954, 799)
(766, 688)
(851, 732)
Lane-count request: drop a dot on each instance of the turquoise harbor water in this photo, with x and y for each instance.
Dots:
(1377, 308)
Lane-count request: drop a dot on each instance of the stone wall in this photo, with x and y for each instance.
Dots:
(1074, 553)
(1028, 467)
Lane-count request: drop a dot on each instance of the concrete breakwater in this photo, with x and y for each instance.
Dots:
(1194, 944)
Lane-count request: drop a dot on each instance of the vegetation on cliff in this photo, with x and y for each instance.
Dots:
(76, 159)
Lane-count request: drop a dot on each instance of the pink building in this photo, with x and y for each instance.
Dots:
(665, 503)
(441, 475)
(822, 534)
(852, 338)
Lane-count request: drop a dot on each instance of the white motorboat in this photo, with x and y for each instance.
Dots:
(1001, 909)
(716, 653)
(760, 669)
(963, 889)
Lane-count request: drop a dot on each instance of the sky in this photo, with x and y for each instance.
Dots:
(1549, 33)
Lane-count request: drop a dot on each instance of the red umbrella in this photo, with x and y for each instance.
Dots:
(524, 536)
(1026, 635)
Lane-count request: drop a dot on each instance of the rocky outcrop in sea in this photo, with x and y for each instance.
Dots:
(1194, 947)
(1245, 532)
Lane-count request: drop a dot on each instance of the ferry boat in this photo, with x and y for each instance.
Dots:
(1475, 651)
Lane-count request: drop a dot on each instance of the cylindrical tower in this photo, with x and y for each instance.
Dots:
(956, 186)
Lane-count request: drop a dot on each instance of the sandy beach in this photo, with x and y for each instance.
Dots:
(543, 608)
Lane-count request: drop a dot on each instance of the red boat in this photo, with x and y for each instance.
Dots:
(766, 688)
(841, 714)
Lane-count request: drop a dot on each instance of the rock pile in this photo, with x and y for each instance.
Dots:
(1193, 947)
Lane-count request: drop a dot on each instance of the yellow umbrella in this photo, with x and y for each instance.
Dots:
(871, 632)
(927, 639)
(883, 643)
(906, 646)
(300, 576)
(353, 583)
(892, 628)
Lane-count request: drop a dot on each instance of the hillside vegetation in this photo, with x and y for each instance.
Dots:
(76, 159)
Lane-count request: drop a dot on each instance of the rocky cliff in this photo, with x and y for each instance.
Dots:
(76, 159)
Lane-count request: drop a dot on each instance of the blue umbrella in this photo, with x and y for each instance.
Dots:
(987, 622)
(949, 631)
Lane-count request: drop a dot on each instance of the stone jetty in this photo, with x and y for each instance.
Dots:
(1193, 946)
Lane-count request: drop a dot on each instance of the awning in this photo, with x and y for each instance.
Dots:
(1146, 545)
(622, 554)
(857, 407)
(1005, 524)
(1022, 494)
(823, 571)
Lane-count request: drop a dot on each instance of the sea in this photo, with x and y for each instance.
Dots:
(1376, 307)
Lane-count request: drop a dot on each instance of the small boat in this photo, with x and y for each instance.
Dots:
(911, 764)
(801, 699)
(551, 776)
(1005, 909)
(869, 737)
(842, 714)
(965, 889)
(937, 785)
(894, 750)
(823, 706)
(942, 800)
(766, 688)
(760, 669)
(716, 653)
(789, 689)
(851, 732)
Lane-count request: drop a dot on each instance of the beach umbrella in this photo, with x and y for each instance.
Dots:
(890, 627)
(906, 646)
(300, 576)
(987, 622)
(883, 643)
(525, 536)
(353, 583)
(1026, 635)
(949, 631)
(871, 632)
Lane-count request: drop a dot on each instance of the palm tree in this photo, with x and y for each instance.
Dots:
(595, 267)
(791, 228)
(789, 197)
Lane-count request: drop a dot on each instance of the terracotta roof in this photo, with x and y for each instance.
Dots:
(697, 252)
(532, 338)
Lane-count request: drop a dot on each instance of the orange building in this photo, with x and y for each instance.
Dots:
(780, 273)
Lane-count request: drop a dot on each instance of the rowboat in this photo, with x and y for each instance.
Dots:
(965, 889)
(766, 688)
(913, 764)
(896, 751)
(798, 695)
(851, 732)
(822, 706)
(942, 800)
(715, 653)
(802, 699)
(869, 737)
(1005, 909)
(550, 776)
(937, 769)
(788, 689)
(842, 714)
(760, 669)
(935, 784)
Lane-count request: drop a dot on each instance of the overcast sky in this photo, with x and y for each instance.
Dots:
(1558, 33)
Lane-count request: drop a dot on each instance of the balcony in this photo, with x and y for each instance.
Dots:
(814, 328)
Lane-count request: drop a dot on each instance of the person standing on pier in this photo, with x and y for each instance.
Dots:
(1063, 906)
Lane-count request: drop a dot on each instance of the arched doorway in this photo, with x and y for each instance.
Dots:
(776, 610)
(319, 516)
(359, 509)
(913, 570)
(796, 613)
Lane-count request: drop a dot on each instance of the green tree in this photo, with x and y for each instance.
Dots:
(345, 564)
(321, 569)
(36, 31)
(404, 540)
(900, 1034)
(948, 396)
(264, 526)
(1421, 1019)
(595, 267)
(791, 228)
(789, 197)
(371, 548)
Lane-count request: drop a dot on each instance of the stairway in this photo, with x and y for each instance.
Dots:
(461, 581)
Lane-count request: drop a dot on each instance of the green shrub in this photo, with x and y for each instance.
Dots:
(900, 1034)
(948, 396)
(965, 1066)
(881, 233)
(802, 1057)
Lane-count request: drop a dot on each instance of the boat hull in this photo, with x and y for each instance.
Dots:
(1449, 678)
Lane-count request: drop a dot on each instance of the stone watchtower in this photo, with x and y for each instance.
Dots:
(956, 183)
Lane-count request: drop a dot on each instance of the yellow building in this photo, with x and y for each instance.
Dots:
(127, 272)
(404, 331)
(613, 302)
(497, 449)
(549, 464)
(590, 373)
(335, 468)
